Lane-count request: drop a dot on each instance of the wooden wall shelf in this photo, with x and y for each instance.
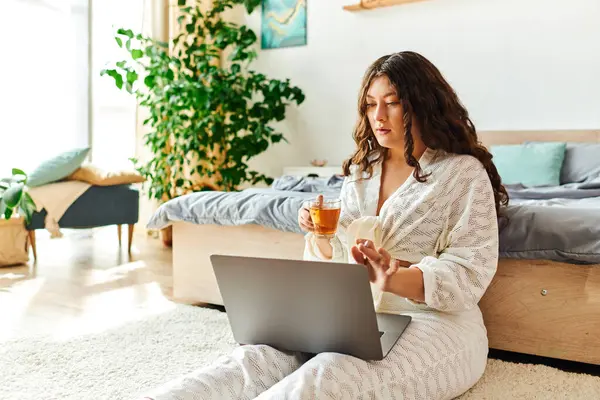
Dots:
(370, 4)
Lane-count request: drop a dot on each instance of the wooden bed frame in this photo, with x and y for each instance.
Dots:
(538, 307)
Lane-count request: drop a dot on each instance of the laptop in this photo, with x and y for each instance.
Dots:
(306, 306)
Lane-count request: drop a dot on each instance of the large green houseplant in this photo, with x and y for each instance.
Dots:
(207, 116)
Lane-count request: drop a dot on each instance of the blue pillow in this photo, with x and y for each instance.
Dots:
(530, 164)
(58, 167)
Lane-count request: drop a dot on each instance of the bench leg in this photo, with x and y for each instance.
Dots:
(31, 235)
(119, 233)
(130, 237)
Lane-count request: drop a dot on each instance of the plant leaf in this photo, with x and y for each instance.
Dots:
(2, 207)
(131, 76)
(119, 41)
(8, 212)
(27, 206)
(136, 53)
(251, 5)
(118, 81)
(19, 176)
(13, 195)
(125, 32)
(29, 200)
(116, 76)
(149, 81)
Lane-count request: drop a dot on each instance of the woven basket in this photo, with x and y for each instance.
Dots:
(13, 242)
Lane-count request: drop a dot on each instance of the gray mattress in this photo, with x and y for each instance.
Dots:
(538, 225)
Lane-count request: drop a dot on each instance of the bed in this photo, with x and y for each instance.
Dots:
(544, 302)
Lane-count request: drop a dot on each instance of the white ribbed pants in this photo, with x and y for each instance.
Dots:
(437, 357)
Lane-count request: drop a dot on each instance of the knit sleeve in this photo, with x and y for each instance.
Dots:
(457, 279)
(348, 213)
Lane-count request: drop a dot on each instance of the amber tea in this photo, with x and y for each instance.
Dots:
(325, 216)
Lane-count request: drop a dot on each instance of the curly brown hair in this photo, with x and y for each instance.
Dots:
(429, 102)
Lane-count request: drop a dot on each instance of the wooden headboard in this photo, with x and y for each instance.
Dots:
(489, 138)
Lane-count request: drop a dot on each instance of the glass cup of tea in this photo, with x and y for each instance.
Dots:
(325, 214)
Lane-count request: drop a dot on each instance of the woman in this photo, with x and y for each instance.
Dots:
(419, 210)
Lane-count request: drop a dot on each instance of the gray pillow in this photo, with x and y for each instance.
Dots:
(581, 163)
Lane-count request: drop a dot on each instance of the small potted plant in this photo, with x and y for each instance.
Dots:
(16, 209)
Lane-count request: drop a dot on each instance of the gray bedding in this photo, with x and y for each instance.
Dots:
(568, 191)
(559, 229)
(268, 207)
(561, 224)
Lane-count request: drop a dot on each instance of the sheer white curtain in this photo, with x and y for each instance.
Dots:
(43, 80)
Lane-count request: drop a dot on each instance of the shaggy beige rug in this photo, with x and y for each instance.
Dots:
(123, 362)
(506, 380)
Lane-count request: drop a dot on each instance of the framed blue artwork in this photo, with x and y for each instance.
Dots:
(283, 23)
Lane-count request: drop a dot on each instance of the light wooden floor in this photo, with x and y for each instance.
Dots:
(84, 282)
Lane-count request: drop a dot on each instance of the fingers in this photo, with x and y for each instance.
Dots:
(392, 269)
(369, 251)
(366, 242)
(385, 256)
(366, 248)
(306, 228)
(371, 271)
(357, 255)
(306, 223)
(304, 220)
(360, 259)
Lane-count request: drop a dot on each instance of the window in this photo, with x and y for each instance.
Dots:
(48, 66)
(114, 111)
(44, 75)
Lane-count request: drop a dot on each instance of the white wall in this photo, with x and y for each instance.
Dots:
(516, 64)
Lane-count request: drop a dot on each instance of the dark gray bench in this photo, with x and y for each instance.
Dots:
(97, 206)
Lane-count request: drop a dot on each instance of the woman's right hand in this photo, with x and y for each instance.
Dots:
(304, 219)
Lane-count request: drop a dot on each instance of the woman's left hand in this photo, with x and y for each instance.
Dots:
(379, 263)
